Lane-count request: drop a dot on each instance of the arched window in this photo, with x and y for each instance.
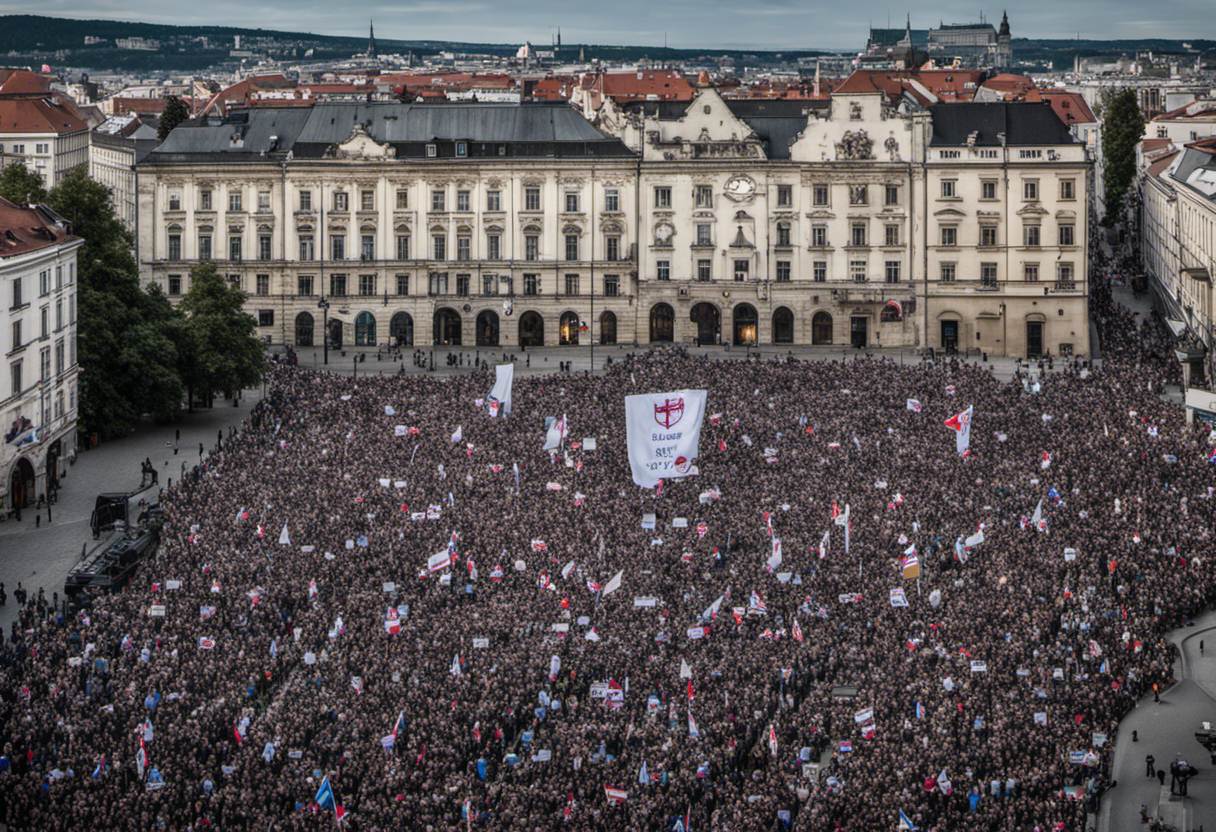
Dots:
(567, 329)
(662, 324)
(447, 327)
(487, 328)
(607, 328)
(531, 330)
(365, 330)
(821, 328)
(783, 326)
(709, 324)
(304, 329)
(401, 329)
(746, 325)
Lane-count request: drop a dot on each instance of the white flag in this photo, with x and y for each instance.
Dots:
(284, 537)
(458, 435)
(685, 670)
(664, 432)
(774, 560)
(556, 434)
(712, 609)
(614, 584)
(960, 423)
(914, 405)
(504, 375)
(1036, 519)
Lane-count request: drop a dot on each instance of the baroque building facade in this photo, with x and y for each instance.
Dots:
(709, 221)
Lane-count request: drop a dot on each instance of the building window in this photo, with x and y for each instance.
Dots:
(175, 247)
(432, 150)
(571, 246)
(783, 271)
(890, 195)
(439, 247)
(704, 234)
(462, 149)
(204, 199)
(264, 202)
(307, 249)
(438, 200)
(531, 284)
(462, 285)
(948, 272)
(532, 198)
(988, 275)
(438, 283)
(612, 248)
(859, 195)
(367, 200)
(175, 201)
(891, 235)
(949, 236)
(403, 199)
(264, 247)
(819, 271)
(305, 200)
(44, 282)
(663, 269)
(489, 285)
(612, 285)
(367, 285)
(403, 246)
(819, 236)
(572, 202)
(204, 246)
(1030, 272)
(45, 318)
(1030, 190)
(265, 317)
(59, 356)
(234, 248)
(705, 270)
(493, 247)
(857, 271)
(1064, 277)
(1066, 235)
(892, 272)
(464, 246)
(948, 188)
(819, 196)
(612, 200)
(785, 196)
(17, 299)
(662, 197)
(337, 247)
(462, 201)
(234, 201)
(987, 236)
(742, 270)
(337, 285)
(571, 284)
(1030, 236)
(403, 284)
(988, 189)
(175, 285)
(705, 196)
(15, 376)
(857, 233)
(493, 200)
(262, 285)
(1068, 189)
(783, 234)
(531, 247)
(304, 285)
(17, 342)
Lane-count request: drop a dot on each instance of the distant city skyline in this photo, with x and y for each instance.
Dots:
(683, 24)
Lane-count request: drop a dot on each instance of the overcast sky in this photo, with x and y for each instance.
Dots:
(754, 24)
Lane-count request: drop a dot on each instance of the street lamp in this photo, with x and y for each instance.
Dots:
(323, 305)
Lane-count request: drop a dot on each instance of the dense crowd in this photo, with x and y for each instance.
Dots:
(304, 637)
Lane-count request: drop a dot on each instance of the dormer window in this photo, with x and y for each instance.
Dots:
(462, 149)
(431, 150)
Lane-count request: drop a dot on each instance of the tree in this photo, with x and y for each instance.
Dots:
(1122, 129)
(175, 113)
(20, 185)
(222, 351)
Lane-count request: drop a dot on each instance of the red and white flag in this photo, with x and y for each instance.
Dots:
(960, 423)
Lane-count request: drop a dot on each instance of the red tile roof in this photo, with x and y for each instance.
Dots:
(23, 230)
(1192, 110)
(1159, 166)
(242, 91)
(643, 85)
(23, 82)
(37, 115)
(1070, 107)
(945, 84)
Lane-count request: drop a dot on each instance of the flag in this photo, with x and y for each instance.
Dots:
(439, 561)
(711, 612)
(643, 775)
(797, 632)
(756, 604)
(455, 669)
(555, 434)
(693, 731)
(1045, 461)
(685, 670)
(920, 711)
(943, 783)
(236, 733)
(664, 433)
(392, 623)
(399, 725)
(823, 544)
(909, 564)
(774, 560)
(614, 584)
(772, 739)
(960, 423)
(325, 797)
(141, 758)
(100, 771)
(615, 795)
(500, 395)
(458, 435)
(914, 405)
(905, 823)
(1037, 520)
(312, 588)
(845, 747)
(569, 810)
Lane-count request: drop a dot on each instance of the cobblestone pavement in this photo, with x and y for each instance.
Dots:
(40, 555)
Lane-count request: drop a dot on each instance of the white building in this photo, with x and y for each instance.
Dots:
(38, 340)
(39, 128)
(116, 145)
(1188, 123)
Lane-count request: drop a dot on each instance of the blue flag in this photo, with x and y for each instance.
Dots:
(905, 823)
(325, 796)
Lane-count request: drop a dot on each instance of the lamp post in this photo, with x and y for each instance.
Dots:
(323, 305)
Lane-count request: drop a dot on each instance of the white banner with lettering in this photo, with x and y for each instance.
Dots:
(664, 431)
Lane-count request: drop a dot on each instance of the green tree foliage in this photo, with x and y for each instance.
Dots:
(223, 353)
(1122, 129)
(174, 114)
(20, 185)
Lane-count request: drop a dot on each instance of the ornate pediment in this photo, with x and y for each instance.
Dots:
(855, 145)
(360, 145)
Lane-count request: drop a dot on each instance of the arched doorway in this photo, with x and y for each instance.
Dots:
(531, 330)
(335, 334)
(487, 328)
(21, 486)
(783, 326)
(821, 328)
(746, 325)
(567, 329)
(447, 328)
(365, 330)
(709, 323)
(304, 329)
(662, 324)
(401, 329)
(608, 328)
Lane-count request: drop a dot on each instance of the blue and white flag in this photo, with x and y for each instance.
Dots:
(905, 823)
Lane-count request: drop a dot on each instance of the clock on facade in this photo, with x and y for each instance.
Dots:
(663, 233)
(740, 188)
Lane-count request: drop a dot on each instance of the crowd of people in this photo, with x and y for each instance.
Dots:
(300, 622)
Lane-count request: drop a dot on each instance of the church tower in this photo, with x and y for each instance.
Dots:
(371, 39)
(1004, 46)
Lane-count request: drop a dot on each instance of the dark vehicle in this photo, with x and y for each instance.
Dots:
(111, 565)
(108, 509)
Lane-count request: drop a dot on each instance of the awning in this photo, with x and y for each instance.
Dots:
(1176, 327)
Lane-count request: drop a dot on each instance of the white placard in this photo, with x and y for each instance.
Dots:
(481, 643)
(157, 611)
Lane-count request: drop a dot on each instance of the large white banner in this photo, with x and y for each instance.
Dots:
(664, 431)
(500, 396)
